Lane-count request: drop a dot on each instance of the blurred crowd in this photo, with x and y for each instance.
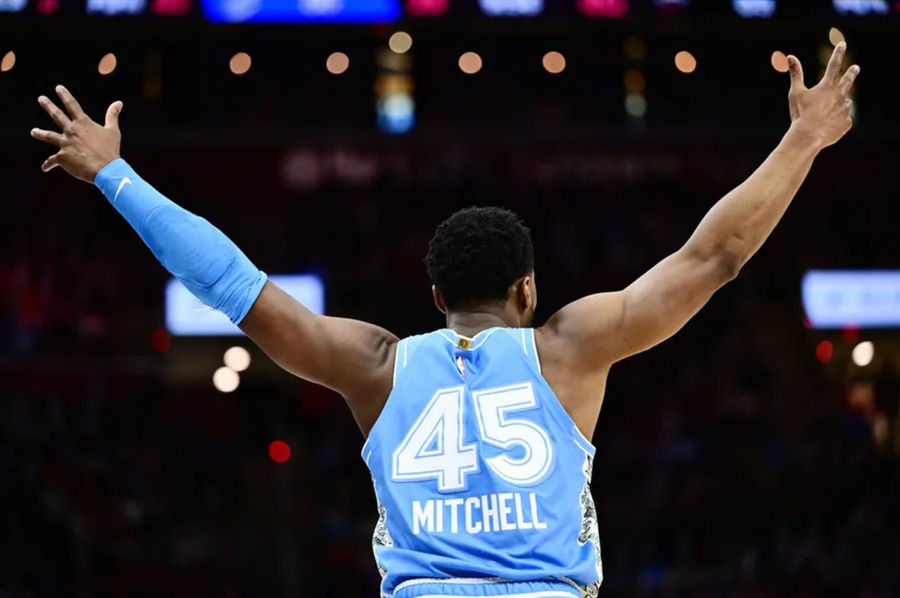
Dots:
(728, 461)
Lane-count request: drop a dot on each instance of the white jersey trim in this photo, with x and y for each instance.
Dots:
(537, 360)
(450, 580)
(476, 341)
(487, 581)
(396, 361)
(540, 594)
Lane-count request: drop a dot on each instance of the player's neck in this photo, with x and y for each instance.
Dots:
(470, 322)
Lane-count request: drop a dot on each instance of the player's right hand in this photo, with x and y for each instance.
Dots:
(85, 147)
(822, 113)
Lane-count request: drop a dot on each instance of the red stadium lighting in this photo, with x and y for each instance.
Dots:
(171, 8)
(161, 341)
(824, 351)
(850, 333)
(47, 7)
(670, 7)
(426, 8)
(612, 9)
(279, 451)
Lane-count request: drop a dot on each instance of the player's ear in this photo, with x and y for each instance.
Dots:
(525, 296)
(438, 300)
(532, 288)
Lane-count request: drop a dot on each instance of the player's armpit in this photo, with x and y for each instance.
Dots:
(353, 358)
(598, 330)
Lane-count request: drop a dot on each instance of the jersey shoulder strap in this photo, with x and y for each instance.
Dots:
(406, 348)
(524, 337)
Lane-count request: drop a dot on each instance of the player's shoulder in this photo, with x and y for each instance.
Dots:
(407, 347)
(568, 353)
(581, 333)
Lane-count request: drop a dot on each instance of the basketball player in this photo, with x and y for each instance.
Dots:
(477, 434)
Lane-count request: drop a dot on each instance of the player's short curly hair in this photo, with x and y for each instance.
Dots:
(477, 253)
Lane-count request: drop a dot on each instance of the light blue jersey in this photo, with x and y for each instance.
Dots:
(479, 472)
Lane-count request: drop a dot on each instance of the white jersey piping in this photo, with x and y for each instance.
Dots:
(539, 594)
(486, 581)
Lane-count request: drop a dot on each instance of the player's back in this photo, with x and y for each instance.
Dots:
(481, 476)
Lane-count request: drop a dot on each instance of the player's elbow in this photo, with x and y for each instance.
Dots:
(719, 264)
(726, 265)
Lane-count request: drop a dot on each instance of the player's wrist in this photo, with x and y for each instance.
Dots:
(804, 138)
(101, 164)
(115, 168)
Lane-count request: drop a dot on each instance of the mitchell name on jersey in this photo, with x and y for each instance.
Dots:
(497, 512)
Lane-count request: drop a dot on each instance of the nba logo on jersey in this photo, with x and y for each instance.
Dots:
(482, 478)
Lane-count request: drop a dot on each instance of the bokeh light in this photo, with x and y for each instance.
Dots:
(850, 333)
(226, 379)
(47, 7)
(863, 353)
(634, 81)
(161, 341)
(824, 351)
(279, 451)
(107, 64)
(8, 62)
(635, 105)
(685, 62)
(240, 63)
(634, 48)
(337, 63)
(400, 42)
(237, 358)
(835, 36)
(470, 63)
(779, 61)
(554, 62)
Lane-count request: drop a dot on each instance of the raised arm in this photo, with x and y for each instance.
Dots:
(601, 329)
(350, 357)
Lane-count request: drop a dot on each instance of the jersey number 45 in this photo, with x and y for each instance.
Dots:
(434, 447)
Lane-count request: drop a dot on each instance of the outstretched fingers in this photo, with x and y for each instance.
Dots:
(69, 101)
(834, 64)
(849, 77)
(112, 115)
(58, 116)
(50, 163)
(50, 137)
(796, 71)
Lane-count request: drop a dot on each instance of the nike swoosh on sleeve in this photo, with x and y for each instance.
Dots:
(125, 181)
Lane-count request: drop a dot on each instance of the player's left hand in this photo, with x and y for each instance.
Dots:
(822, 113)
(85, 147)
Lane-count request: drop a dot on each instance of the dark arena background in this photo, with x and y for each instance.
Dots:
(755, 454)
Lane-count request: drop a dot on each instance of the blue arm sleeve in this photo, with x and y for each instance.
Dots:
(197, 253)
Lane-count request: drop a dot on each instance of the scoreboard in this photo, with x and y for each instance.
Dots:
(389, 11)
